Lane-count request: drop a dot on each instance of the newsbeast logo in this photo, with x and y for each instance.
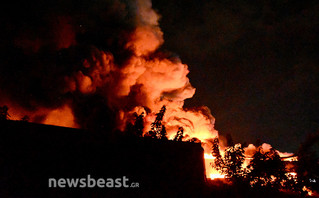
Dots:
(90, 182)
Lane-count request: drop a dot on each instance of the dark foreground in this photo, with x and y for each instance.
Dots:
(30, 154)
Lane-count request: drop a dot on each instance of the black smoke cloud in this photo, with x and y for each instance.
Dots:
(99, 58)
(41, 42)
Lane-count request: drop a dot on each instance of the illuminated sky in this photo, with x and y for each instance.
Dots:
(254, 64)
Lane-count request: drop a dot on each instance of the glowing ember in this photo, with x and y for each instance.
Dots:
(310, 193)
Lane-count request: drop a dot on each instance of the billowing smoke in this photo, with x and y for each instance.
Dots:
(92, 64)
(250, 150)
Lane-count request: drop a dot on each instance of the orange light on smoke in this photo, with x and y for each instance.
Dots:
(61, 117)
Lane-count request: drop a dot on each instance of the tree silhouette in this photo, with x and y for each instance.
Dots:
(267, 169)
(139, 124)
(179, 135)
(4, 115)
(157, 128)
(136, 128)
(162, 135)
(231, 164)
(218, 161)
(307, 165)
(233, 160)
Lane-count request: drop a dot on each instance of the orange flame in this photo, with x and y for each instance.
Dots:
(210, 172)
(149, 81)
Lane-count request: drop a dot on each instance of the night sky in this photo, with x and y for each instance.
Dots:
(253, 63)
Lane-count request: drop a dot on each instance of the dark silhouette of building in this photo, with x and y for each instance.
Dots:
(31, 153)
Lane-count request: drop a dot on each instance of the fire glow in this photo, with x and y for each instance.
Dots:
(143, 82)
(210, 172)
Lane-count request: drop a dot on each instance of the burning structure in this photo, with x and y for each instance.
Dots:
(102, 65)
(94, 65)
(93, 76)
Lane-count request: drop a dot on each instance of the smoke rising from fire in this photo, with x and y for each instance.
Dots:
(94, 64)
